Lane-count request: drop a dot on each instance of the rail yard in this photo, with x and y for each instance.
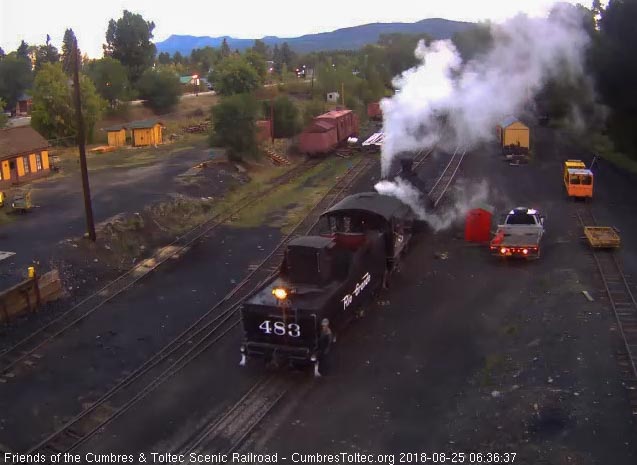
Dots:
(528, 342)
(405, 242)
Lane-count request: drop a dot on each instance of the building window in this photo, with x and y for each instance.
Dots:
(38, 162)
(25, 163)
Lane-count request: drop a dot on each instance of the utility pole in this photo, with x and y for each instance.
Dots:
(81, 142)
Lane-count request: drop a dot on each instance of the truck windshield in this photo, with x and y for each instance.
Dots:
(522, 218)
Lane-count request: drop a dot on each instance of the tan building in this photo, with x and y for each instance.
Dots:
(148, 132)
(24, 155)
(116, 135)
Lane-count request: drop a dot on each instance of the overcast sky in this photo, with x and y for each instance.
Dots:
(32, 20)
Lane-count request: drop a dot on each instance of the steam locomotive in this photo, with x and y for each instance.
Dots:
(327, 276)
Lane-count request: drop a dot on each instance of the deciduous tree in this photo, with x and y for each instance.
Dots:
(160, 88)
(286, 117)
(15, 78)
(53, 112)
(110, 79)
(234, 75)
(129, 40)
(234, 119)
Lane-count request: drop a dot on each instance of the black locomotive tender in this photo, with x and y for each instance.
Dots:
(330, 275)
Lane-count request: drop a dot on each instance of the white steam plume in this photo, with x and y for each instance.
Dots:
(474, 96)
(465, 197)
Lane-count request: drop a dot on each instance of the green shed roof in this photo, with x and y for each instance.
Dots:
(117, 127)
(143, 124)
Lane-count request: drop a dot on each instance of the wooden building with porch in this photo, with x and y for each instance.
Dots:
(24, 156)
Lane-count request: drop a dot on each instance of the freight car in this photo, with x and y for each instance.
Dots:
(327, 131)
(328, 276)
(374, 111)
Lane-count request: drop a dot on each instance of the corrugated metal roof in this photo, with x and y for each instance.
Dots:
(20, 140)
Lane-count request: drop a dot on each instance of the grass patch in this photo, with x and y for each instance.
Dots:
(285, 207)
(604, 147)
(124, 157)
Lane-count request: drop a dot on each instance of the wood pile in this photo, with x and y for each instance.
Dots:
(197, 128)
(275, 157)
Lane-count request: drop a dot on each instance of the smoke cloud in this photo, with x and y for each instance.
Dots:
(465, 197)
(446, 102)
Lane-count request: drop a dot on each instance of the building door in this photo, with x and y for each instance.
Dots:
(13, 170)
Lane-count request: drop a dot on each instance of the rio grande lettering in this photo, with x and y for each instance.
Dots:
(347, 300)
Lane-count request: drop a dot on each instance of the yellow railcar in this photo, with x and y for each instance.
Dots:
(578, 180)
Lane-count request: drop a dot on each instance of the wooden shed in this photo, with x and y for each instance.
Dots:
(147, 132)
(116, 135)
(511, 132)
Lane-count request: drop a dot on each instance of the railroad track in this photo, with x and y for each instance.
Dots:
(26, 349)
(623, 303)
(442, 184)
(226, 434)
(196, 339)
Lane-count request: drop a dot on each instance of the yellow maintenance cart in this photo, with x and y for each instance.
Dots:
(578, 180)
(602, 237)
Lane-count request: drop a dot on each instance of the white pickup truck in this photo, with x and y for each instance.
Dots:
(520, 234)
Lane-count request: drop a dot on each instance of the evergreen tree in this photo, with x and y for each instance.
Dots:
(23, 50)
(67, 51)
(225, 49)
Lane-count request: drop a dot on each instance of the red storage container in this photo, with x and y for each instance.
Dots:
(478, 225)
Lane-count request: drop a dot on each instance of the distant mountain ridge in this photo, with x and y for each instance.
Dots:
(350, 38)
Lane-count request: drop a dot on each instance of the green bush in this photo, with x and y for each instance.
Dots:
(234, 119)
(160, 88)
(287, 122)
(313, 108)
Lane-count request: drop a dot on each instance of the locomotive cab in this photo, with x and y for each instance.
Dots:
(329, 276)
(357, 214)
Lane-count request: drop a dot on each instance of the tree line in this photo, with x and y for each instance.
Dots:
(131, 68)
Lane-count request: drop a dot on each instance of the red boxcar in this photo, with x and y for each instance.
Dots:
(374, 111)
(327, 131)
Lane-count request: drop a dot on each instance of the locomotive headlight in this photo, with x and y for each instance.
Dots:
(280, 293)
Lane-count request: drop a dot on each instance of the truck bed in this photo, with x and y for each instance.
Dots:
(517, 236)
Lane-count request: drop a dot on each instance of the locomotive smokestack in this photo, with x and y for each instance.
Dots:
(406, 166)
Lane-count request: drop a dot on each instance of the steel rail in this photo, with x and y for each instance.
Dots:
(621, 298)
(29, 345)
(193, 341)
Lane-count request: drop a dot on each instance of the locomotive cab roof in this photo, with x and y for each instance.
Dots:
(312, 242)
(371, 202)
